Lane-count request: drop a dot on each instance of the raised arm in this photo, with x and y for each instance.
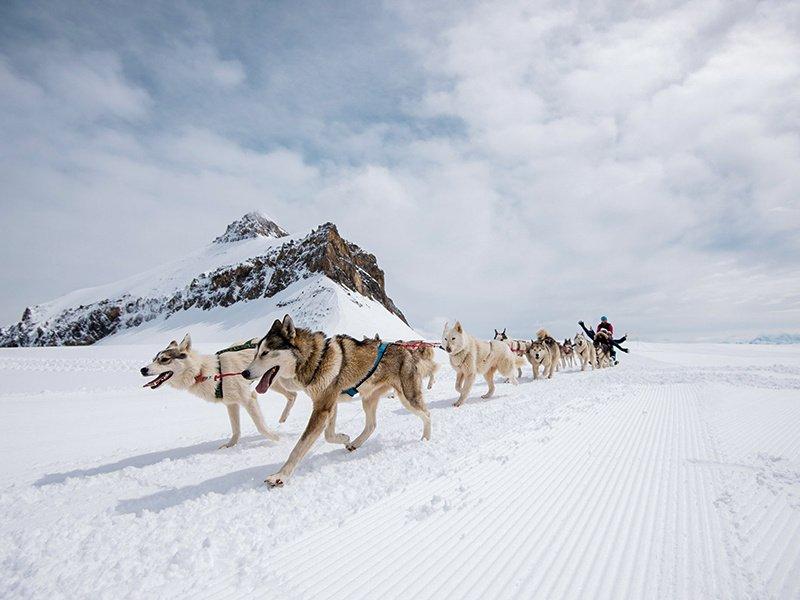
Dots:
(589, 332)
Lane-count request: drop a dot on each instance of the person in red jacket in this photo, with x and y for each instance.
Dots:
(604, 324)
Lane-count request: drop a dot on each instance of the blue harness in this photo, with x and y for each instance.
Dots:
(354, 390)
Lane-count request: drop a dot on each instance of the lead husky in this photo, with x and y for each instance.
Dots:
(585, 351)
(328, 369)
(183, 368)
(471, 357)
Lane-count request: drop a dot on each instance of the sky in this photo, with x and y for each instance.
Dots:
(511, 164)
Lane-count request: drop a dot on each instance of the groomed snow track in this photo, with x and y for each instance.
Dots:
(667, 477)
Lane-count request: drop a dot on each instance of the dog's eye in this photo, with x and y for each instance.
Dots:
(263, 354)
(164, 360)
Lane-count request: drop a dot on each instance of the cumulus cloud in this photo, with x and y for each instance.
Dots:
(511, 164)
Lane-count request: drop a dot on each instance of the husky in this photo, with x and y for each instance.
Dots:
(185, 369)
(602, 348)
(471, 357)
(544, 352)
(426, 365)
(518, 347)
(567, 354)
(585, 351)
(424, 356)
(330, 370)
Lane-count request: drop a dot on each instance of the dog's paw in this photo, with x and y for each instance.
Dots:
(229, 444)
(271, 436)
(351, 447)
(486, 396)
(274, 480)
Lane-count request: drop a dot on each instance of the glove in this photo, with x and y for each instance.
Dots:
(580, 323)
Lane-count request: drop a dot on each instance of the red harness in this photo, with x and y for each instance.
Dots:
(218, 377)
(417, 344)
(518, 350)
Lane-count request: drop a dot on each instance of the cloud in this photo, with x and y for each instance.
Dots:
(511, 164)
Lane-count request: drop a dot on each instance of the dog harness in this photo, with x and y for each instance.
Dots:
(220, 375)
(354, 390)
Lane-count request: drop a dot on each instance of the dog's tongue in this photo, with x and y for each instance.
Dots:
(266, 380)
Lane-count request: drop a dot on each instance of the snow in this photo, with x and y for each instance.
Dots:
(317, 302)
(168, 278)
(673, 475)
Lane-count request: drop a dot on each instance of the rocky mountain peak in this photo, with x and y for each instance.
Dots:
(271, 270)
(251, 225)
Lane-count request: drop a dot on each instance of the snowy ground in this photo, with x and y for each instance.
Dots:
(674, 475)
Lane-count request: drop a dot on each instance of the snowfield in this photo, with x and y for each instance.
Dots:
(674, 475)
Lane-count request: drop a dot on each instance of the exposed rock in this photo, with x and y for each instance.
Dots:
(251, 225)
(322, 251)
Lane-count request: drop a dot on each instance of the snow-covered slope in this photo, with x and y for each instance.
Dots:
(254, 270)
(675, 475)
(316, 303)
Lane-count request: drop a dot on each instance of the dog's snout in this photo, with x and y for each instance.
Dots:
(143, 370)
(246, 374)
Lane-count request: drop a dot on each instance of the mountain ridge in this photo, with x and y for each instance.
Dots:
(255, 258)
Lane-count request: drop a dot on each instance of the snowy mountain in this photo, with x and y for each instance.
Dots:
(780, 338)
(254, 271)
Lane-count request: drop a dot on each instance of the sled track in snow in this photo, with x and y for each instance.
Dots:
(627, 514)
(642, 481)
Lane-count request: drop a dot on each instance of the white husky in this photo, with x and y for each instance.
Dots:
(585, 351)
(471, 357)
(183, 368)
(520, 349)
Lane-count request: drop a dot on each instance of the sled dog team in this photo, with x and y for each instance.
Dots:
(290, 359)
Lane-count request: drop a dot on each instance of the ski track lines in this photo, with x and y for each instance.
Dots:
(611, 507)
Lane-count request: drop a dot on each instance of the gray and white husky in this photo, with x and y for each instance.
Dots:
(181, 367)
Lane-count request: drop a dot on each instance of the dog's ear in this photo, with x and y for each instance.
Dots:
(378, 337)
(186, 343)
(288, 327)
(458, 327)
(496, 332)
(444, 331)
(172, 344)
(504, 330)
(276, 326)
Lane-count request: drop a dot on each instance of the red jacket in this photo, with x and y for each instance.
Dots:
(607, 326)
